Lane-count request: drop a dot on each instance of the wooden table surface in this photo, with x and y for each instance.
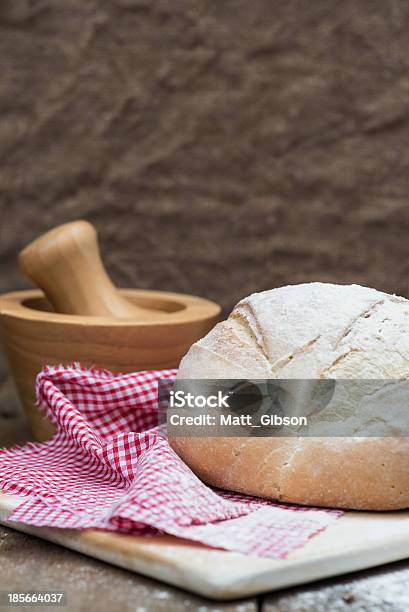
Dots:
(28, 563)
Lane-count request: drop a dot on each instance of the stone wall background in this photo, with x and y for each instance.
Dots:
(220, 148)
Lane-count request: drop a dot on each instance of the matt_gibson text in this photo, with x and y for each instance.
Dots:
(234, 420)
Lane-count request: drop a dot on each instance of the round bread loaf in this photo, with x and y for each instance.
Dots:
(309, 331)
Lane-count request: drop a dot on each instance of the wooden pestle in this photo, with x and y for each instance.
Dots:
(66, 264)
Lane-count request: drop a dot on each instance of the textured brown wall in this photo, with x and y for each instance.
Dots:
(219, 147)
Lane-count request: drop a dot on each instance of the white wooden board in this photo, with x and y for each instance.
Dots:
(356, 541)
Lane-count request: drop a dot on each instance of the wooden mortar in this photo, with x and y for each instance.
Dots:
(132, 329)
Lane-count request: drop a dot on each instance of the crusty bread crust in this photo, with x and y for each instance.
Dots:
(291, 333)
(355, 473)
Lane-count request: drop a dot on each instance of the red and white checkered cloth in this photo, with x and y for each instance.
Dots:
(108, 467)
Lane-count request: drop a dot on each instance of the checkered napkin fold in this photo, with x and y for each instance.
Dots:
(108, 467)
